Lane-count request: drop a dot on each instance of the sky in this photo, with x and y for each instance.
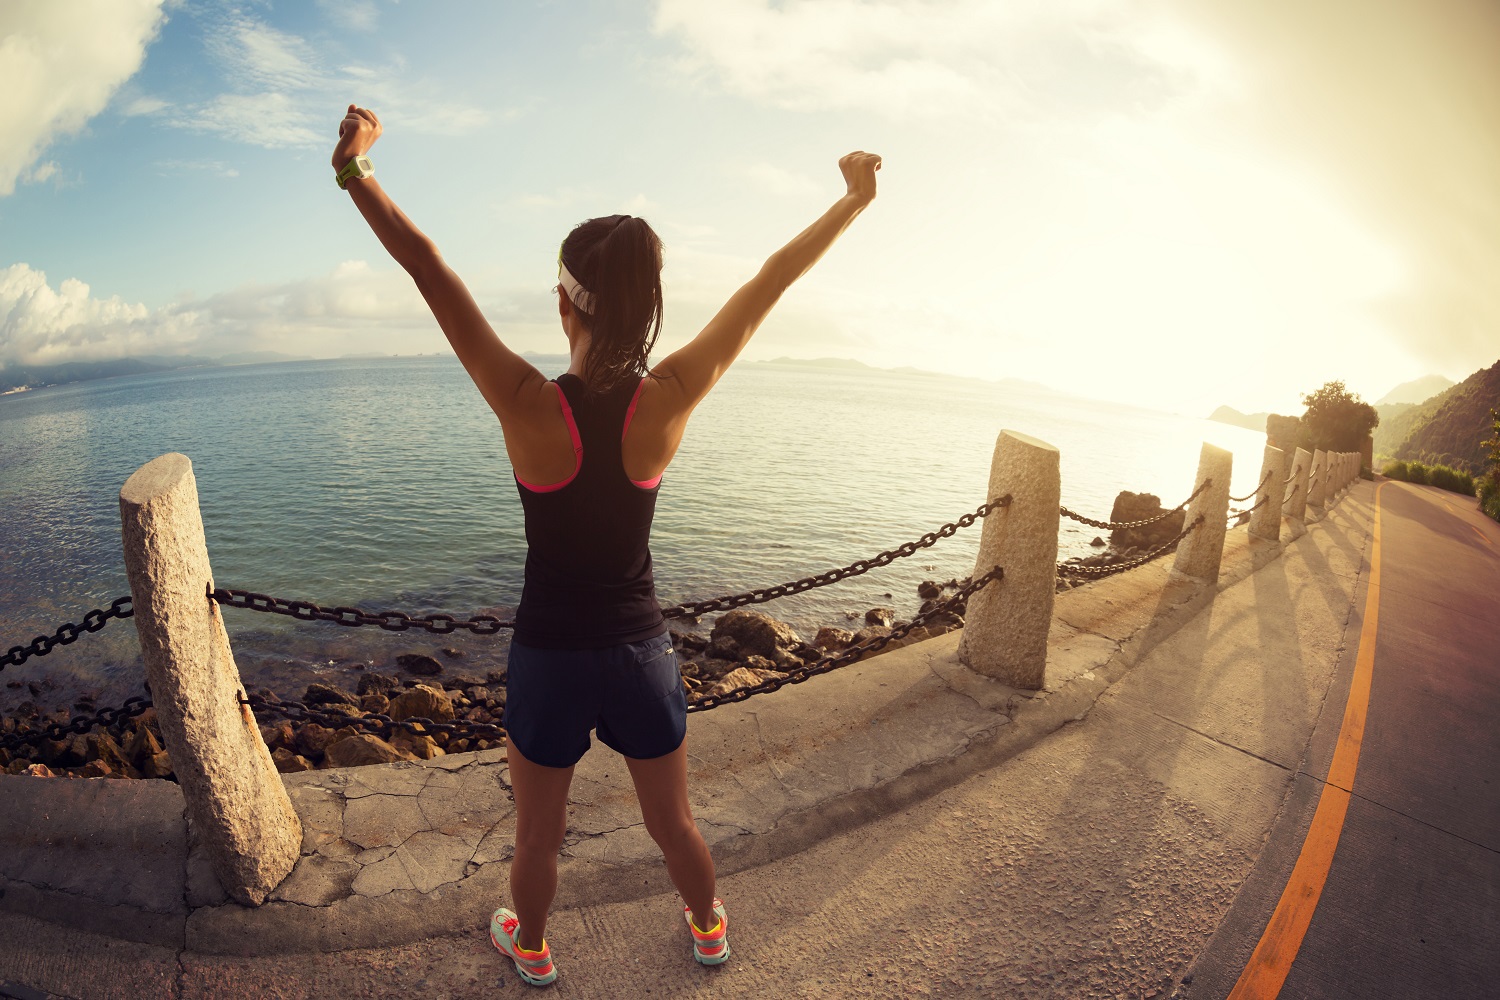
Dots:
(1170, 203)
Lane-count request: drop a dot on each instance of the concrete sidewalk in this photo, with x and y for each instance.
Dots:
(901, 796)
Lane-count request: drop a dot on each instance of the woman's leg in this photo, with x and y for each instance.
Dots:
(661, 787)
(541, 821)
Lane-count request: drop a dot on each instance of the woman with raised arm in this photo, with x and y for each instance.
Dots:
(591, 650)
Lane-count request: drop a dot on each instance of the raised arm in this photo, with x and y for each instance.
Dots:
(692, 371)
(508, 382)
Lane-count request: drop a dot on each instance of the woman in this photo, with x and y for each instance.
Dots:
(591, 650)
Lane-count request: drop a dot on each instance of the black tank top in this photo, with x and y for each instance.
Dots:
(588, 560)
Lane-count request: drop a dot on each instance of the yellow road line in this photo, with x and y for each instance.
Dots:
(1264, 974)
(1482, 537)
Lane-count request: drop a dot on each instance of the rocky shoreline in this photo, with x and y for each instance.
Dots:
(742, 648)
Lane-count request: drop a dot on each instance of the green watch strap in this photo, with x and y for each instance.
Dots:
(360, 166)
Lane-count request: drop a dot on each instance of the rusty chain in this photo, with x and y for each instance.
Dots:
(1295, 469)
(1116, 525)
(1073, 569)
(832, 661)
(443, 624)
(1263, 480)
(692, 609)
(383, 725)
(391, 621)
(1250, 510)
(105, 717)
(92, 622)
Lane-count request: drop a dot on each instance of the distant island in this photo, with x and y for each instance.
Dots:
(19, 378)
(1229, 415)
(850, 365)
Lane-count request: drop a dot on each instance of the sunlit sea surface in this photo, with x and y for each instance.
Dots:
(384, 484)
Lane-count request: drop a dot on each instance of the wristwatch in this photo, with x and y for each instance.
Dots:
(357, 168)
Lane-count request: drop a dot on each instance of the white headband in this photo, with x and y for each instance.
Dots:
(581, 298)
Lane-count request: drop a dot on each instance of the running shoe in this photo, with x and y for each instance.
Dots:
(534, 967)
(710, 947)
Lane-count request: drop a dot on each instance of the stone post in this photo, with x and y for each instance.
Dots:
(1295, 506)
(1324, 469)
(1199, 554)
(1266, 521)
(235, 797)
(1005, 632)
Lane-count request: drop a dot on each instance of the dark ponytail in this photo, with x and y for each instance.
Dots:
(617, 259)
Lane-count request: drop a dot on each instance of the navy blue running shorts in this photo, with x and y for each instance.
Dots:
(631, 694)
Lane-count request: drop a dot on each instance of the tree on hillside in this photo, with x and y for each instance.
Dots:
(1336, 419)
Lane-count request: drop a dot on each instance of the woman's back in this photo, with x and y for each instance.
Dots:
(588, 565)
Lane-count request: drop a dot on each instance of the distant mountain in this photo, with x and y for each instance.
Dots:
(1390, 411)
(259, 357)
(850, 365)
(1448, 428)
(1229, 415)
(39, 376)
(1418, 390)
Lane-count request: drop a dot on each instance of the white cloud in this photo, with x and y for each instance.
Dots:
(937, 58)
(349, 309)
(281, 92)
(59, 66)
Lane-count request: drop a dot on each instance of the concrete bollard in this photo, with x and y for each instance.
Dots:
(1295, 506)
(1266, 521)
(1200, 553)
(1005, 630)
(1324, 469)
(235, 797)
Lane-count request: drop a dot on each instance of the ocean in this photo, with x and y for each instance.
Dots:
(383, 483)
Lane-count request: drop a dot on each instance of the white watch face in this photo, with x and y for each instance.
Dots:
(364, 166)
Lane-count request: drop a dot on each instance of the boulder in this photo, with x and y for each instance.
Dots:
(289, 763)
(325, 694)
(157, 765)
(415, 744)
(724, 647)
(38, 771)
(276, 734)
(713, 668)
(374, 703)
(1139, 507)
(1098, 542)
(104, 749)
(741, 677)
(312, 739)
(831, 638)
(689, 642)
(869, 632)
(376, 684)
(929, 590)
(880, 616)
(365, 748)
(421, 702)
(755, 634)
(451, 652)
(419, 663)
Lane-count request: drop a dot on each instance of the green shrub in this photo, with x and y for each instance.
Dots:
(1492, 506)
(1486, 487)
(1395, 470)
(1416, 472)
(1452, 480)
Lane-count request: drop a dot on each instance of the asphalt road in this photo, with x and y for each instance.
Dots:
(1411, 903)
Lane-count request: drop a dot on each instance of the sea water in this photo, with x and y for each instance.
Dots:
(383, 483)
